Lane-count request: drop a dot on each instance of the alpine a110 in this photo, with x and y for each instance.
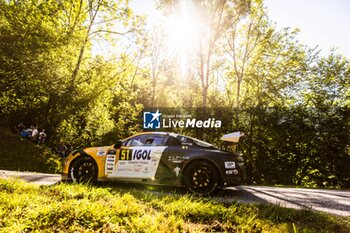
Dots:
(160, 158)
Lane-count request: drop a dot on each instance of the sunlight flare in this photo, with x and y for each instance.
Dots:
(183, 28)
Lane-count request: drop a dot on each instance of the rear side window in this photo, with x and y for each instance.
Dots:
(185, 140)
(188, 141)
(173, 142)
(156, 140)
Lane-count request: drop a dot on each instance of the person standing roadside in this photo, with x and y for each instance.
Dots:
(42, 137)
(35, 133)
(19, 128)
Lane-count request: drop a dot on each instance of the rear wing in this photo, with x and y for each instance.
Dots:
(232, 137)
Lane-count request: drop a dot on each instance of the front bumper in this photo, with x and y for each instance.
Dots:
(64, 177)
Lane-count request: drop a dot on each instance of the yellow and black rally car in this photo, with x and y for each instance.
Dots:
(160, 158)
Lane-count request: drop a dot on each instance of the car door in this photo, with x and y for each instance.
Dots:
(138, 158)
(175, 156)
(179, 152)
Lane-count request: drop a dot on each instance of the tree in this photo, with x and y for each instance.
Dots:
(326, 100)
(44, 57)
(158, 58)
(216, 18)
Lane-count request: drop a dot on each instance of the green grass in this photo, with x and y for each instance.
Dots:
(23, 155)
(123, 208)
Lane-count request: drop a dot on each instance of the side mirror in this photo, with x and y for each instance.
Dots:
(118, 145)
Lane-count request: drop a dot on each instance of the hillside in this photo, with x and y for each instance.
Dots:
(23, 155)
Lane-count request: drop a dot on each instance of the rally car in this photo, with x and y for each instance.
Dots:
(160, 158)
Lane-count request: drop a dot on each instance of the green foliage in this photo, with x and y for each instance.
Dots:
(48, 77)
(295, 146)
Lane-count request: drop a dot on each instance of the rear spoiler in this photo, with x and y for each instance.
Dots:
(232, 137)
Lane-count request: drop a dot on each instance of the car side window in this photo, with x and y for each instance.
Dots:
(135, 141)
(173, 142)
(147, 140)
(185, 140)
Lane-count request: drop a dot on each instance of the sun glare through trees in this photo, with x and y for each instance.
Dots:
(185, 29)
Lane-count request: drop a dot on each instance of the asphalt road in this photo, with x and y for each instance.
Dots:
(331, 201)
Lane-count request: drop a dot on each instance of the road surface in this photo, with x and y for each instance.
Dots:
(331, 201)
(32, 177)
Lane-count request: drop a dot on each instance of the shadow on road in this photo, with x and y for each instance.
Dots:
(239, 194)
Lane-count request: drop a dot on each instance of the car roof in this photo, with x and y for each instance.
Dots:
(157, 132)
(153, 132)
(167, 134)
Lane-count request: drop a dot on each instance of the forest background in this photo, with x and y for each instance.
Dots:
(232, 62)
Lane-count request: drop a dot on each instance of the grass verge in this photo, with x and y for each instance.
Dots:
(80, 208)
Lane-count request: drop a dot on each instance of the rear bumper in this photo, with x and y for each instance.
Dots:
(234, 177)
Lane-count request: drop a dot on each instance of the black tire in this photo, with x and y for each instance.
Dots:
(84, 170)
(201, 178)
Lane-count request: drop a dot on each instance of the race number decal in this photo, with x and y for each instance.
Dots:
(138, 162)
(125, 154)
(128, 154)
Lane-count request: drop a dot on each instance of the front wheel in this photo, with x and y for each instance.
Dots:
(84, 170)
(201, 178)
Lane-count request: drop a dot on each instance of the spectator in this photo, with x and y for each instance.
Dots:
(42, 137)
(20, 127)
(27, 133)
(35, 134)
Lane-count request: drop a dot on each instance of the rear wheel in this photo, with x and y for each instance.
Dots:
(84, 170)
(201, 178)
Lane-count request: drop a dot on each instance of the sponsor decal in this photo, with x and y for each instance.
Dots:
(177, 170)
(229, 172)
(138, 162)
(101, 151)
(230, 165)
(137, 170)
(110, 161)
(129, 154)
(146, 170)
(154, 162)
(178, 161)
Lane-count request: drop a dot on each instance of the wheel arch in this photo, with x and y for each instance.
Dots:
(221, 179)
(81, 155)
